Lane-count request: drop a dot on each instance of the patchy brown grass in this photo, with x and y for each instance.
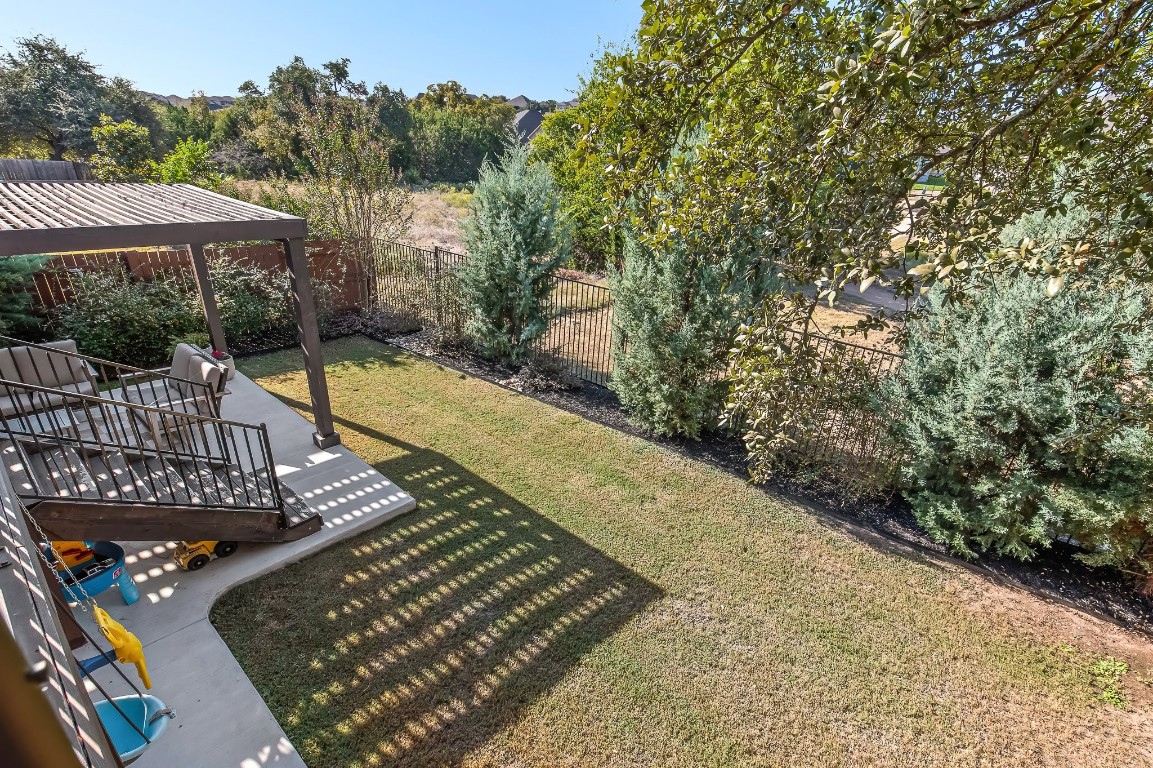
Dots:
(570, 596)
(829, 321)
(436, 218)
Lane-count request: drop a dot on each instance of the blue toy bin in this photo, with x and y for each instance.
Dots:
(101, 572)
(146, 713)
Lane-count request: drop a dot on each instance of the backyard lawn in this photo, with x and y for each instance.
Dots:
(568, 595)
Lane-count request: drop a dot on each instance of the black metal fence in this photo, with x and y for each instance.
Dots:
(415, 288)
(835, 427)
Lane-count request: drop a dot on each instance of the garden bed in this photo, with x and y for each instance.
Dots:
(1053, 575)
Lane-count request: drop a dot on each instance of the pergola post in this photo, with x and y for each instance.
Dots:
(305, 307)
(208, 297)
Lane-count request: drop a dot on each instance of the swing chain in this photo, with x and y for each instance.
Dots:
(59, 559)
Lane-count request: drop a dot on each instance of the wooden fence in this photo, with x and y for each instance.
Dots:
(13, 169)
(56, 282)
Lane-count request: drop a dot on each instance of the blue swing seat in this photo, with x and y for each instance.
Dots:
(142, 710)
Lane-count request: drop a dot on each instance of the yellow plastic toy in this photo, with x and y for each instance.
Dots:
(70, 554)
(127, 645)
(194, 555)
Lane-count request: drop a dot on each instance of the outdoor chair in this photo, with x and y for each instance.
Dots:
(193, 384)
(42, 366)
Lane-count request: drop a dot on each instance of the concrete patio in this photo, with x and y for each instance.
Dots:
(221, 719)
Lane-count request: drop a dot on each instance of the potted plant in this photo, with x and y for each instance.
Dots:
(226, 360)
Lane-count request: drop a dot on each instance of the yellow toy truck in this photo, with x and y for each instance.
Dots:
(194, 555)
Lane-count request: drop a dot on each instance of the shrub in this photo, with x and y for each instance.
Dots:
(123, 151)
(802, 401)
(675, 315)
(253, 302)
(671, 331)
(515, 245)
(16, 274)
(190, 162)
(1026, 417)
(126, 321)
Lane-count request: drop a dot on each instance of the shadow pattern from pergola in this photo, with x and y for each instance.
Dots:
(62, 216)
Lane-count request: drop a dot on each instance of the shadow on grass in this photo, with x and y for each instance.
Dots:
(416, 642)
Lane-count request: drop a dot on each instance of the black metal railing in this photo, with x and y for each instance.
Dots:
(417, 288)
(101, 449)
(581, 329)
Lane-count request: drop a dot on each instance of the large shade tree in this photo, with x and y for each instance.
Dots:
(813, 119)
(51, 98)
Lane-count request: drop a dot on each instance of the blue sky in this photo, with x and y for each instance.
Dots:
(507, 46)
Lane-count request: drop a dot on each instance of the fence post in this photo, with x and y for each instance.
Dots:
(365, 259)
(436, 297)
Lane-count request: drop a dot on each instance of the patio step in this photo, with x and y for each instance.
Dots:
(297, 512)
(170, 485)
(56, 471)
(115, 478)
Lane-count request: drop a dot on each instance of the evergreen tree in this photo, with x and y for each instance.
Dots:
(677, 307)
(1026, 416)
(515, 242)
(16, 273)
(672, 326)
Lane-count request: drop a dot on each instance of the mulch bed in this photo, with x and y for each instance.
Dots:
(1053, 575)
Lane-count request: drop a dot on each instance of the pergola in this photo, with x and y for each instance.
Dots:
(62, 216)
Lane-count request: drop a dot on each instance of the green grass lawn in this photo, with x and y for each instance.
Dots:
(567, 595)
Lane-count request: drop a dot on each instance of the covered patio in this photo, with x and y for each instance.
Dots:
(55, 217)
(221, 719)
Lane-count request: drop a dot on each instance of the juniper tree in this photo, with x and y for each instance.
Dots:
(675, 314)
(1026, 416)
(516, 241)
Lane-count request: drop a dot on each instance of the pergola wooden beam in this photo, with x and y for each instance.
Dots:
(58, 216)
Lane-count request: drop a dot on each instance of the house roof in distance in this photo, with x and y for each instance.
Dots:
(527, 123)
(55, 216)
(520, 102)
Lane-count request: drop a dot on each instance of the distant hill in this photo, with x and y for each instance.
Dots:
(214, 102)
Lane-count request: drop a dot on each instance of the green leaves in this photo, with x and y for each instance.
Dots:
(123, 151)
(814, 122)
(516, 241)
(1025, 414)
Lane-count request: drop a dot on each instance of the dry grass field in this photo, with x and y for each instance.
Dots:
(436, 217)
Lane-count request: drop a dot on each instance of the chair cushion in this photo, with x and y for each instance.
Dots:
(8, 368)
(204, 370)
(14, 402)
(181, 360)
(42, 367)
(7, 406)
